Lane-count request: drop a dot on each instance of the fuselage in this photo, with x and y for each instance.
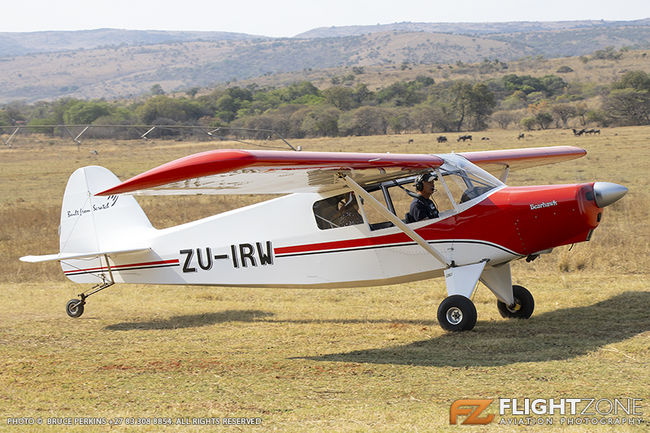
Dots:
(278, 243)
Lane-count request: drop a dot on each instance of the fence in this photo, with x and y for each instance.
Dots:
(135, 132)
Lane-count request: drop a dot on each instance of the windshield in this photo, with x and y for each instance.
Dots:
(465, 181)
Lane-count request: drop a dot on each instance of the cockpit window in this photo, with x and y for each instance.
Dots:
(458, 181)
(464, 181)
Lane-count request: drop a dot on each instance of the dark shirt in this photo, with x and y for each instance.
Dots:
(423, 208)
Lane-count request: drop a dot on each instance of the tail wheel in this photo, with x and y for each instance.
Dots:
(523, 306)
(457, 313)
(74, 308)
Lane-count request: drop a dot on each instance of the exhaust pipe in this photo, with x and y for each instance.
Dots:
(607, 193)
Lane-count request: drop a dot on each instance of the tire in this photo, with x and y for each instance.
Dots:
(74, 308)
(457, 313)
(524, 304)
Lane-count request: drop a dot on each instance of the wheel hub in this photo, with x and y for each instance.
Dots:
(454, 315)
(514, 307)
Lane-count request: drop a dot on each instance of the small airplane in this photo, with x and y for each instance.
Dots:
(343, 223)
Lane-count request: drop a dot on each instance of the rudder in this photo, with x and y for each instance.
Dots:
(90, 223)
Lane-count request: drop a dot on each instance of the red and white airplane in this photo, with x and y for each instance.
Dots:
(342, 224)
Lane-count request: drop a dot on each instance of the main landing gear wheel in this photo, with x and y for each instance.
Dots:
(457, 313)
(75, 307)
(523, 306)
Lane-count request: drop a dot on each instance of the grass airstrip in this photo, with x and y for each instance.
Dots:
(344, 360)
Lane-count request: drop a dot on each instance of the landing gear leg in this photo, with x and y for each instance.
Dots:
(75, 307)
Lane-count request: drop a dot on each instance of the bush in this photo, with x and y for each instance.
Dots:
(528, 123)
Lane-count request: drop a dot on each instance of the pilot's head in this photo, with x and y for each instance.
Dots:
(424, 181)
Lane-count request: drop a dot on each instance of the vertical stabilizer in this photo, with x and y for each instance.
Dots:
(90, 223)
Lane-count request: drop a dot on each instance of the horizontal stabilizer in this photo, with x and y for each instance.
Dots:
(66, 256)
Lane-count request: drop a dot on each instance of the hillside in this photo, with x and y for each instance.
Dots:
(469, 28)
(132, 70)
(18, 44)
(115, 63)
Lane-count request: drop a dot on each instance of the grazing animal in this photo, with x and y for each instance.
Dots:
(521, 136)
(485, 138)
(579, 133)
(410, 141)
(442, 139)
(464, 137)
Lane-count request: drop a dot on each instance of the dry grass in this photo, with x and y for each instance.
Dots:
(369, 359)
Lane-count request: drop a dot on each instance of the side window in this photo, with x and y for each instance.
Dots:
(338, 211)
(401, 201)
(375, 219)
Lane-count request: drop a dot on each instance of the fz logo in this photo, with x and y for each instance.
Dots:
(472, 408)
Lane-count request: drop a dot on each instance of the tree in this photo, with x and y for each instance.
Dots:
(341, 97)
(504, 118)
(628, 106)
(12, 113)
(474, 103)
(430, 117)
(226, 108)
(528, 123)
(598, 117)
(86, 112)
(637, 80)
(482, 104)
(581, 111)
(461, 96)
(174, 109)
(363, 121)
(399, 120)
(543, 119)
(317, 121)
(402, 94)
(548, 84)
(562, 112)
(156, 90)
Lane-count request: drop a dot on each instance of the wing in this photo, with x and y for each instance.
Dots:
(271, 172)
(516, 159)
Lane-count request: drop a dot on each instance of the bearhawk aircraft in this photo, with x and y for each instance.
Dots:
(344, 222)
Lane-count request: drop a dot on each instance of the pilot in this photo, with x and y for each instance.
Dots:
(422, 207)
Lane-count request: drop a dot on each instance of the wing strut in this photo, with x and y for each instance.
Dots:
(393, 218)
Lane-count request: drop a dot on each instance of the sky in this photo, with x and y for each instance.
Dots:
(286, 18)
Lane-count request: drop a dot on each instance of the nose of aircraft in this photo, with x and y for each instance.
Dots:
(607, 193)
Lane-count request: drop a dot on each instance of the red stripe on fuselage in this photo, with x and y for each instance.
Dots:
(118, 267)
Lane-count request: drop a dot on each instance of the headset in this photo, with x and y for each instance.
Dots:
(426, 177)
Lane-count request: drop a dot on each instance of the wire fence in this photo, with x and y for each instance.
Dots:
(264, 137)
